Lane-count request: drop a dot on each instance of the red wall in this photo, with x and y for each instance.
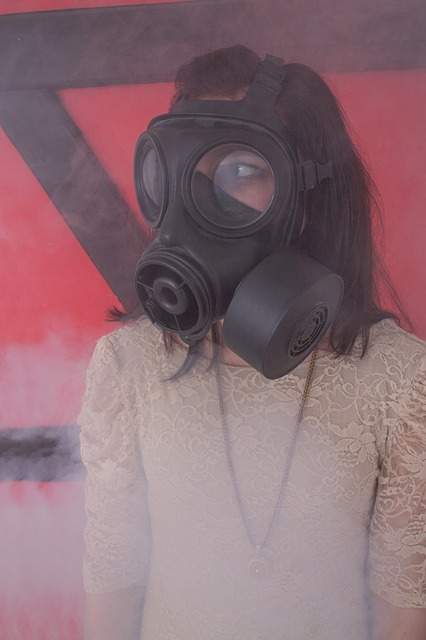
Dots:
(26, 6)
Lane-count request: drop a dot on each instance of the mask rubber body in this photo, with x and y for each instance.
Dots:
(220, 182)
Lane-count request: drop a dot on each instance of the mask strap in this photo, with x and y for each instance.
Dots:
(267, 82)
(310, 174)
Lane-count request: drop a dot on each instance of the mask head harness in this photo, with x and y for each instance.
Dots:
(220, 181)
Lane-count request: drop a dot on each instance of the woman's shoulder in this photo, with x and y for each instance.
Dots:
(392, 341)
(393, 353)
(137, 340)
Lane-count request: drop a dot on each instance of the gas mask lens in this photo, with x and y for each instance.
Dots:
(232, 186)
(151, 177)
(150, 182)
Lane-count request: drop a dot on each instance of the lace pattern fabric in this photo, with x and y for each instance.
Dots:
(398, 525)
(117, 536)
(158, 487)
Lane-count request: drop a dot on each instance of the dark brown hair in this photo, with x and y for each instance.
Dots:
(340, 213)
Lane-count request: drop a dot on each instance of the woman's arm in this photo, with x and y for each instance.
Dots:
(397, 623)
(117, 532)
(397, 560)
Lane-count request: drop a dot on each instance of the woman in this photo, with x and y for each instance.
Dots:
(222, 504)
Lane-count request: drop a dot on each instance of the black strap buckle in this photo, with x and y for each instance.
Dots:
(310, 174)
(268, 79)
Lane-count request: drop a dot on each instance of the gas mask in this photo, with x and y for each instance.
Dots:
(220, 181)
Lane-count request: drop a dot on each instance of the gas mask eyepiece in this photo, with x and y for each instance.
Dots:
(150, 180)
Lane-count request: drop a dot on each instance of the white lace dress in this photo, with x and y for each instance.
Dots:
(161, 505)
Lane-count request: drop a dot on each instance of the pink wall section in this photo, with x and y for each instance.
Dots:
(386, 112)
(47, 280)
(26, 6)
(54, 299)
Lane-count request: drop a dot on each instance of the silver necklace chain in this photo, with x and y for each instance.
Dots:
(260, 548)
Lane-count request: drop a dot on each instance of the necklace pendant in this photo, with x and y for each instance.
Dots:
(262, 564)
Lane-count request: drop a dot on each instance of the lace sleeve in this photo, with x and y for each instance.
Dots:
(117, 522)
(398, 526)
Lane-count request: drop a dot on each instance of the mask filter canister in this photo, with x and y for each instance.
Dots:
(280, 311)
